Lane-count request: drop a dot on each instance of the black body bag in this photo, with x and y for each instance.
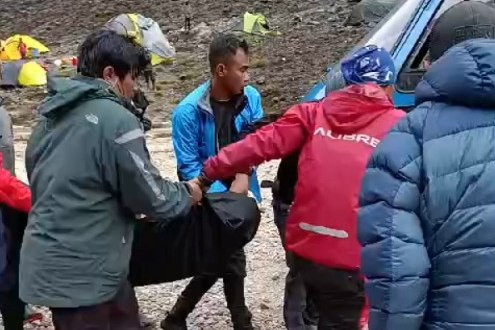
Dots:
(199, 244)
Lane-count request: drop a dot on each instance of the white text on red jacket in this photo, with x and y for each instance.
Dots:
(358, 138)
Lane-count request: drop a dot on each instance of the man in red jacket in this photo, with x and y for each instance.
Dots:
(336, 137)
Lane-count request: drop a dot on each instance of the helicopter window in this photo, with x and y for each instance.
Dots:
(414, 68)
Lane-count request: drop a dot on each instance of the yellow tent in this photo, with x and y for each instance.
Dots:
(145, 32)
(257, 24)
(155, 59)
(9, 48)
(32, 74)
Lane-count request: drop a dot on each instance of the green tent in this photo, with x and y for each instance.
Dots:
(257, 24)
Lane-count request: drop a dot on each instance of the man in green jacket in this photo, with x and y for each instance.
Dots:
(91, 177)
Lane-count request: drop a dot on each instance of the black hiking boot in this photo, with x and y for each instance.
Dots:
(176, 318)
(241, 319)
(233, 286)
(172, 322)
(197, 287)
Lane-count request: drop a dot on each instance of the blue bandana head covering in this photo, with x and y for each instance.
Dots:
(369, 64)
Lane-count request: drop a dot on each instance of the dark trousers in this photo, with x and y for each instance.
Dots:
(299, 309)
(120, 313)
(12, 309)
(187, 24)
(233, 286)
(11, 306)
(338, 294)
(150, 78)
(233, 276)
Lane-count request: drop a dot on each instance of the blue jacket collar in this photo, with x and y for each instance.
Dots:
(204, 101)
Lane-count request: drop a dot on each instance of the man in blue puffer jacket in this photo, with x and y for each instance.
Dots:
(427, 218)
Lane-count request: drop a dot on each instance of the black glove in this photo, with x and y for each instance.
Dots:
(146, 123)
(249, 128)
(204, 181)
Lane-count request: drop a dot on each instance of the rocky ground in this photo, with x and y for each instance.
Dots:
(283, 68)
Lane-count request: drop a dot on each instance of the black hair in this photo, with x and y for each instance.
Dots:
(107, 48)
(223, 47)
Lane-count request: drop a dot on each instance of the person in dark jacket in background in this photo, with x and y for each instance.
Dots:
(150, 76)
(6, 140)
(211, 117)
(335, 137)
(91, 177)
(188, 14)
(299, 309)
(427, 213)
(15, 203)
(7, 153)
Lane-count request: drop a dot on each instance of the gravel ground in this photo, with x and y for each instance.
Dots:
(266, 265)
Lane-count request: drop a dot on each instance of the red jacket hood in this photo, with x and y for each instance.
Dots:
(355, 107)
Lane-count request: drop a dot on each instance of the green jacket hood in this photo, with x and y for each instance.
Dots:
(65, 94)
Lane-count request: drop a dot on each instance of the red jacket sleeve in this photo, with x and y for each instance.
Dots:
(13, 192)
(273, 141)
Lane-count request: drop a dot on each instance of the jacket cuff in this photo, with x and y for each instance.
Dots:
(188, 188)
(204, 181)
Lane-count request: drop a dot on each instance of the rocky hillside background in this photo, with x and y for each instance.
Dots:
(283, 68)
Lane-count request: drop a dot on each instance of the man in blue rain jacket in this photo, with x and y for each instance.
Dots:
(216, 114)
(193, 132)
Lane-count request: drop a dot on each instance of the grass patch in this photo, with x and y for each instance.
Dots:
(258, 63)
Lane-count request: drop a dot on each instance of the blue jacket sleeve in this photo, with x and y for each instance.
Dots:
(258, 112)
(185, 137)
(394, 258)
